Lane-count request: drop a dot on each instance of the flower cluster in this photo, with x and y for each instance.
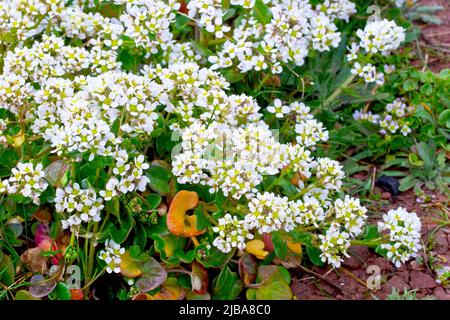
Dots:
(403, 229)
(27, 180)
(231, 234)
(378, 37)
(334, 245)
(128, 176)
(112, 256)
(393, 120)
(295, 28)
(82, 204)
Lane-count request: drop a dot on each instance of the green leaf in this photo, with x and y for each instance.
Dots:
(427, 89)
(154, 200)
(24, 295)
(444, 118)
(314, 255)
(119, 235)
(262, 12)
(62, 291)
(371, 232)
(410, 85)
(226, 285)
(159, 179)
(215, 258)
(7, 271)
(277, 290)
(279, 244)
(407, 183)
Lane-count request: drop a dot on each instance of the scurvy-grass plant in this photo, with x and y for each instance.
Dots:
(160, 139)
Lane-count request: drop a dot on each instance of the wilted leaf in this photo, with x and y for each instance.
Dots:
(34, 261)
(55, 171)
(76, 294)
(199, 278)
(169, 291)
(191, 295)
(41, 287)
(248, 268)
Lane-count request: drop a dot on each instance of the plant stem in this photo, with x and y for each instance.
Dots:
(338, 91)
(369, 243)
(91, 259)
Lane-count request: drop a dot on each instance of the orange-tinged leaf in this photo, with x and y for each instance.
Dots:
(256, 248)
(76, 294)
(129, 266)
(295, 247)
(42, 216)
(169, 291)
(178, 222)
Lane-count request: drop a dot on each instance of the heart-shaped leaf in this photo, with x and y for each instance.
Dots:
(41, 287)
(154, 276)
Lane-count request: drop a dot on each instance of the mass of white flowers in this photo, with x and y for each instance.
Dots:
(378, 37)
(27, 180)
(61, 74)
(403, 228)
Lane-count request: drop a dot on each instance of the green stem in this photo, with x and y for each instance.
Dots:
(90, 259)
(369, 243)
(338, 91)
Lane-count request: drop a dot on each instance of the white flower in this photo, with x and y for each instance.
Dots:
(279, 109)
(112, 256)
(232, 234)
(404, 235)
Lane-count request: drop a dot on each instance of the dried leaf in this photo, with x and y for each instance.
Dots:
(248, 268)
(34, 261)
(199, 278)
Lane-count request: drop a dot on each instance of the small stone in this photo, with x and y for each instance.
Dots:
(421, 280)
(416, 266)
(441, 294)
(441, 240)
(358, 255)
(385, 196)
(381, 262)
(397, 283)
(351, 262)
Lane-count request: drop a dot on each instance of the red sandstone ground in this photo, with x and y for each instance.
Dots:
(350, 281)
